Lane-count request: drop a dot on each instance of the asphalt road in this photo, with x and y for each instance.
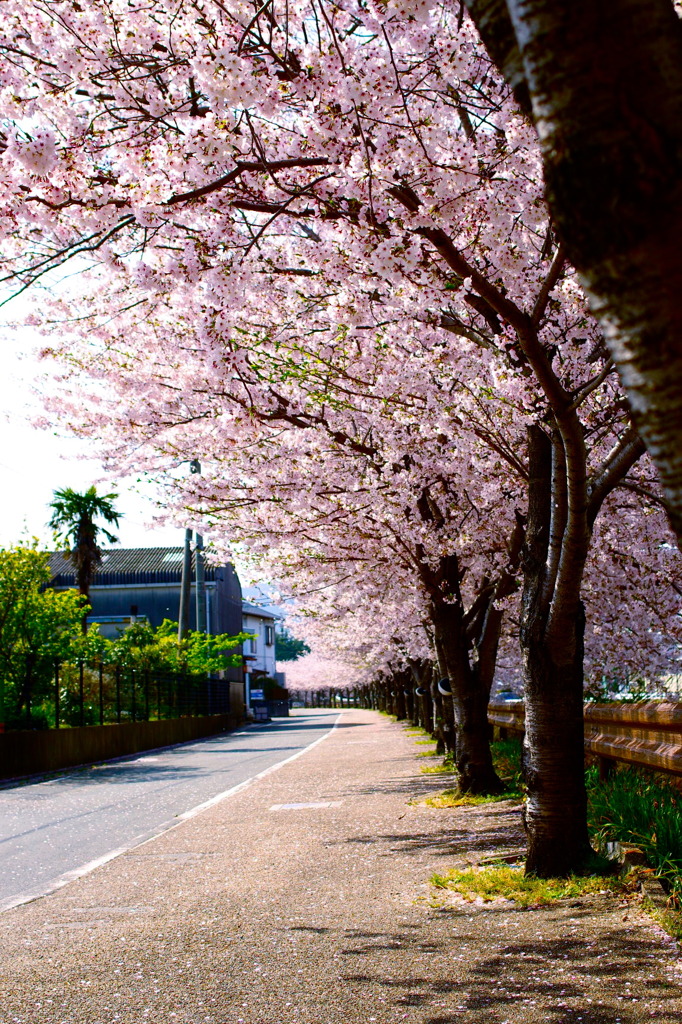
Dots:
(59, 829)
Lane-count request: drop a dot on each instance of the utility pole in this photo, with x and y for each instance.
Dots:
(202, 624)
(185, 587)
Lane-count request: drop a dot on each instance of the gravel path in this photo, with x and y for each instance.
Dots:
(255, 912)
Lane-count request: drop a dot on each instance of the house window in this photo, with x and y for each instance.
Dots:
(254, 645)
(269, 636)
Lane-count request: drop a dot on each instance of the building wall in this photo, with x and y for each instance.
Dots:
(159, 601)
(156, 601)
(226, 611)
(263, 662)
(226, 608)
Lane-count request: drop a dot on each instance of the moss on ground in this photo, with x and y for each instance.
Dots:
(507, 881)
(453, 798)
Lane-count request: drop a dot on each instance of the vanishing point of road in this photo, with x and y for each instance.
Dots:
(54, 830)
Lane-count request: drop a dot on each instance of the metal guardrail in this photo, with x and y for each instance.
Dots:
(647, 734)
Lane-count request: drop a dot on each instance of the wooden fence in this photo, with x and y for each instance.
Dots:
(48, 750)
(646, 734)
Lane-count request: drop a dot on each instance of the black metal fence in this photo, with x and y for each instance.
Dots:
(92, 693)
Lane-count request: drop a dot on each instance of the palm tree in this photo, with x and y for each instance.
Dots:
(73, 521)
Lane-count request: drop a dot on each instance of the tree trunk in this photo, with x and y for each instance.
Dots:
(605, 84)
(473, 758)
(409, 699)
(421, 674)
(555, 815)
(438, 718)
(449, 734)
(399, 700)
(553, 760)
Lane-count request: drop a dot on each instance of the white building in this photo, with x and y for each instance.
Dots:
(259, 651)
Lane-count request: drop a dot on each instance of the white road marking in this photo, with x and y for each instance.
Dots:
(299, 807)
(61, 881)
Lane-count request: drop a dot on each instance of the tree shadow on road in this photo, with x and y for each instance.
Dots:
(469, 972)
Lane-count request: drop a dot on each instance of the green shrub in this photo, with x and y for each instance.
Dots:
(643, 809)
(39, 720)
(507, 762)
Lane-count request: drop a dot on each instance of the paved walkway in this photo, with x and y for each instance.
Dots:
(259, 911)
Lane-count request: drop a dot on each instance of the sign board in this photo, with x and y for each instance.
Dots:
(257, 695)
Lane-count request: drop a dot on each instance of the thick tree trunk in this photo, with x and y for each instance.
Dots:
(421, 672)
(447, 709)
(438, 718)
(399, 700)
(605, 84)
(473, 758)
(553, 763)
(409, 699)
(556, 808)
(426, 712)
(449, 733)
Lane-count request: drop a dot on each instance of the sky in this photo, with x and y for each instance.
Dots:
(34, 462)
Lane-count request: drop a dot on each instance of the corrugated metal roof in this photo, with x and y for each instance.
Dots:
(127, 565)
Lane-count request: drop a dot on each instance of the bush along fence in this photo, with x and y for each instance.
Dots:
(93, 711)
(96, 693)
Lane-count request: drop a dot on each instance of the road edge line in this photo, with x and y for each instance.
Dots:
(71, 876)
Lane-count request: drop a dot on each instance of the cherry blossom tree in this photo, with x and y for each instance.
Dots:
(327, 221)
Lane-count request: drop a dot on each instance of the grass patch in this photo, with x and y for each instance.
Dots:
(420, 743)
(453, 798)
(507, 761)
(437, 769)
(428, 753)
(669, 920)
(642, 809)
(505, 881)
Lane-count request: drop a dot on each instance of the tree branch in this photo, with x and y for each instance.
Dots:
(617, 464)
(241, 168)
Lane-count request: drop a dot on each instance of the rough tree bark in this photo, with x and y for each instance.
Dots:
(563, 503)
(422, 671)
(555, 812)
(466, 642)
(473, 758)
(603, 82)
(552, 645)
(398, 682)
